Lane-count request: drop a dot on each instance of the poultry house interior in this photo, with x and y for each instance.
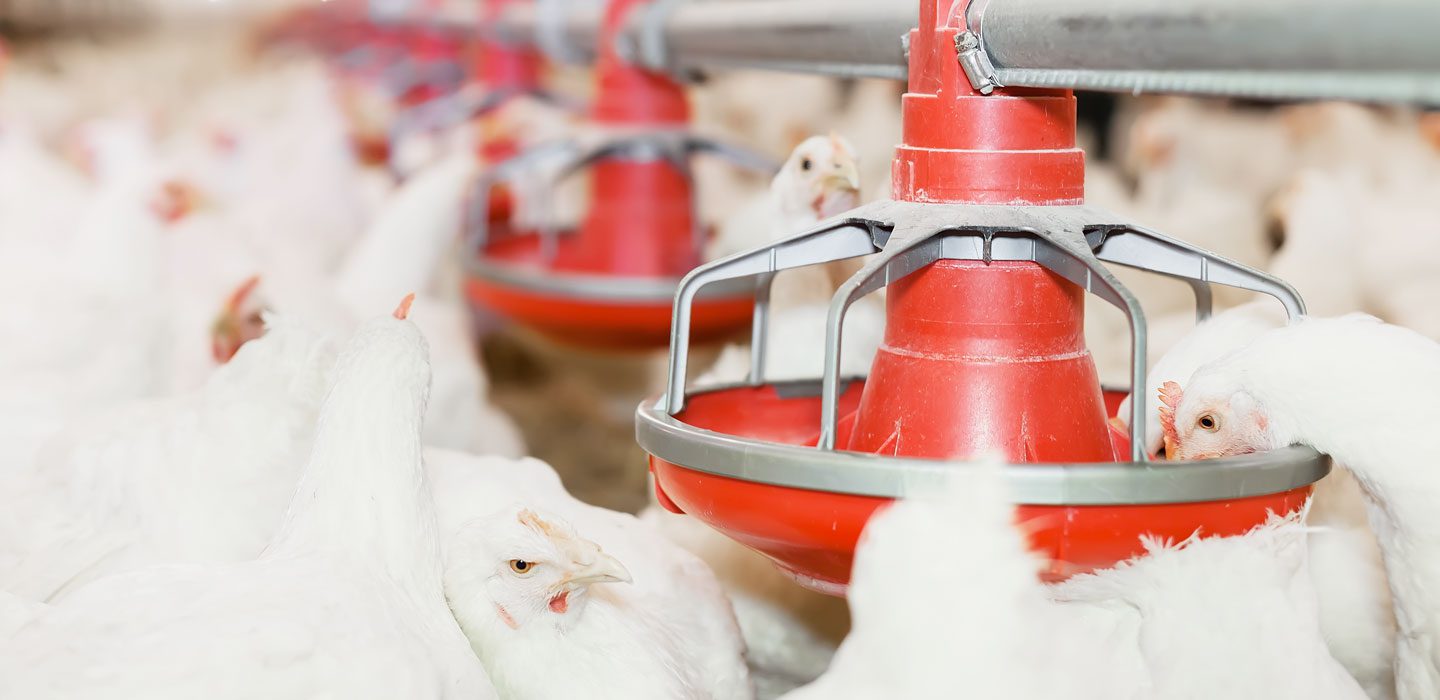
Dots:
(718, 349)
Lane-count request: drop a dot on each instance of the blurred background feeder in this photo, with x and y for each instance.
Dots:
(609, 283)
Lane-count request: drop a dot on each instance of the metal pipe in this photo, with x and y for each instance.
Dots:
(1277, 49)
(848, 38)
(1383, 50)
(567, 31)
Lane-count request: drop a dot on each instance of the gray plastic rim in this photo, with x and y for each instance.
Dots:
(1109, 484)
(635, 290)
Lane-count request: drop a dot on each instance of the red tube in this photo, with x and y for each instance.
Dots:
(640, 222)
(983, 357)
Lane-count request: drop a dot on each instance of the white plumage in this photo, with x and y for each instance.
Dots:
(101, 286)
(346, 601)
(1274, 392)
(203, 477)
(977, 622)
(965, 624)
(666, 632)
(401, 252)
(1344, 556)
(819, 180)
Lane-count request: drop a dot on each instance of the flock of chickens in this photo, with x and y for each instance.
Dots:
(248, 449)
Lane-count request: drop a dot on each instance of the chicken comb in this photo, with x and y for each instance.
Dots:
(1170, 395)
(242, 293)
(403, 310)
(532, 520)
(560, 535)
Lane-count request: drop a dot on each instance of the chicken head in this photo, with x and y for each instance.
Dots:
(238, 322)
(1212, 417)
(521, 569)
(821, 174)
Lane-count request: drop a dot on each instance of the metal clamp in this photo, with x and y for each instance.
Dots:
(976, 63)
(651, 50)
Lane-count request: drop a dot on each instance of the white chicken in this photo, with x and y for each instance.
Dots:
(1321, 229)
(536, 580)
(402, 250)
(1398, 253)
(103, 287)
(1212, 338)
(40, 194)
(1181, 142)
(289, 172)
(1344, 555)
(1262, 397)
(196, 478)
(347, 600)
(819, 180)
(1142, 630)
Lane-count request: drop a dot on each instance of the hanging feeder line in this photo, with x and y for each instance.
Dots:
(1381, 51)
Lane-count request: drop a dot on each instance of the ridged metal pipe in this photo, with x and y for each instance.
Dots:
(1278, 49)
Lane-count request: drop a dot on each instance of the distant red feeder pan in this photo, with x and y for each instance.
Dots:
(561, 296)
(743, 461)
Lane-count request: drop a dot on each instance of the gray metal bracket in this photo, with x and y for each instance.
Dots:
(673, 146)
(843, 237)
(1145, 249)
(1072, 241)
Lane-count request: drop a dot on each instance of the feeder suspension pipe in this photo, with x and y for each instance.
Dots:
(1384, 50)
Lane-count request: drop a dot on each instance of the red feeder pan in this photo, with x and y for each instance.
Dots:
(763, 484)
(987, 251)
(610, 283)
(517, 279)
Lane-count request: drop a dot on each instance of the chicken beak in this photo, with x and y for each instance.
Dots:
(605, 569)
(846, 178)
(1172, 451)
(228, 331)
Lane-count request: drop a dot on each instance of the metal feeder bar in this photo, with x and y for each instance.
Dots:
(1282, 49)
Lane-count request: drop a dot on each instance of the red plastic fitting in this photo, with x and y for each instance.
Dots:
(983, 357)
(640, 222)
(500, 65)
(1013, 146)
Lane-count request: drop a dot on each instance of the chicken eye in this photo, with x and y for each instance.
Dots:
(1208, 422)
(806, 164)
(522, 567)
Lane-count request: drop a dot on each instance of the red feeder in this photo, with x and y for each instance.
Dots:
(610, 283)
(988, 251)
